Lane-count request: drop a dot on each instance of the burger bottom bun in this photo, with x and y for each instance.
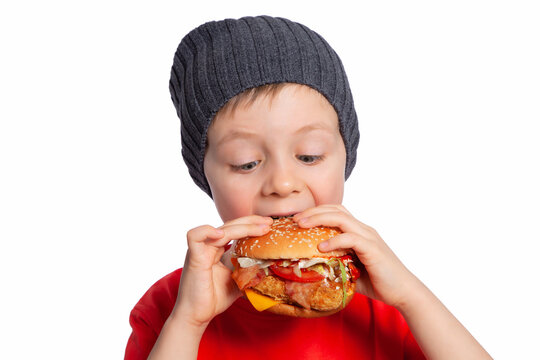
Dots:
(297, 311)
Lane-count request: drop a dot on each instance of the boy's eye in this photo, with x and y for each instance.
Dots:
(247, 166)
(309, 159)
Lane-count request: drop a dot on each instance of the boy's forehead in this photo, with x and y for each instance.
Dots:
(231, 133)
(299, 109)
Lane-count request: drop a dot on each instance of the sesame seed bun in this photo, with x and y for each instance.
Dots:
(286, 240)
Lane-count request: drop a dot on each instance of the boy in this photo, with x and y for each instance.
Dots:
(269, 129)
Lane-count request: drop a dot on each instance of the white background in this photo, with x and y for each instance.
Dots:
(95, 200)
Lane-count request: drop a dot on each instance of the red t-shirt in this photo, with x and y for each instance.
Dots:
(365, 329)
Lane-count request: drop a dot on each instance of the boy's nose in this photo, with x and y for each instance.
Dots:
(281, 182)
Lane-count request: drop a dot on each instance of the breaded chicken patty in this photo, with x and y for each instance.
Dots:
(322, 295)
(273, 287)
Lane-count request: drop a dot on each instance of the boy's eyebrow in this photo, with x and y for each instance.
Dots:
(236, 134)
(311, 127)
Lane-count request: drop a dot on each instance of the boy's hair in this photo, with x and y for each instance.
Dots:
(221, 59)
(249, 96)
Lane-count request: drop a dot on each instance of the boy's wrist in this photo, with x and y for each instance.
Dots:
(416, 294)
(182, 320)
(417, 297)
(179, 338)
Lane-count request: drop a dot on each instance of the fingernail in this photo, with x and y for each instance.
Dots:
(264, 226)
(302, 221)
(323, 245)
(220, 232)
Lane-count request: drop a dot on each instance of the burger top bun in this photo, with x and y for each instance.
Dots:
(286, 240)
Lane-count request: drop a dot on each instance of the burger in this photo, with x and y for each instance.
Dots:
(283, 271)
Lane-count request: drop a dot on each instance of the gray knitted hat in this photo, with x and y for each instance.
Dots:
(220, 59)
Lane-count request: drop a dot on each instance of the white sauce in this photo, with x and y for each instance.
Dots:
(246, 262)
(302, 264)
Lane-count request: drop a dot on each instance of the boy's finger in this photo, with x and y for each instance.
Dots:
(204, 232)
(197, 237)
(200, 233)
(219, 254)
(311, 212)
(320, 209)
(346, 241)
(251, 219)
(234, 232)
(337, 219)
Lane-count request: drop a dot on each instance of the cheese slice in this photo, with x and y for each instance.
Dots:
(260, 302)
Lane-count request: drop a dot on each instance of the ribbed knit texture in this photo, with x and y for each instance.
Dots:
(220, 59)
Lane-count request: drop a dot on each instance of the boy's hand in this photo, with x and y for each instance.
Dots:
(206, 287)
(385, 278)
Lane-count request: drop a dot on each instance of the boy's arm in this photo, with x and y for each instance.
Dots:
(438, 333)
(178, 340)
(206, 288)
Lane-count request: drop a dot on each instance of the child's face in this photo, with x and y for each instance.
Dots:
(277, 156)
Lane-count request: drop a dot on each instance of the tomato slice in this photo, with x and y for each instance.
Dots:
(349, 262)
(355, 273)
(288, 273)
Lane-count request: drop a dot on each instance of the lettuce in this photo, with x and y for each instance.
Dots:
(321, 270)
(343, 280)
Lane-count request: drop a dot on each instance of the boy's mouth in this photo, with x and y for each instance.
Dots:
(276, 216)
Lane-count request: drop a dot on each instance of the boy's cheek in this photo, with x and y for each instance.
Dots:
(232, 203)
(328, 187)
